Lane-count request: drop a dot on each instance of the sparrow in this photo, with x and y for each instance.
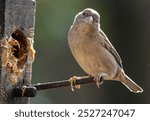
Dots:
(94, 53)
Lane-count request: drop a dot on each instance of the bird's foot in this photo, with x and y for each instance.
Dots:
(100, 79)
(73, 84)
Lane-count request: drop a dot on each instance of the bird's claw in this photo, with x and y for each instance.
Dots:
(100, 79)
(72, 81)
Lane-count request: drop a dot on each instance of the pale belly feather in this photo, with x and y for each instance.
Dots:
(102, 61)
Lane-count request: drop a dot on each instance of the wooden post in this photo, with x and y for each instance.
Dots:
(16, 47)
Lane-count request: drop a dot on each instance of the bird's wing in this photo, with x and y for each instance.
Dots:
(111, 49)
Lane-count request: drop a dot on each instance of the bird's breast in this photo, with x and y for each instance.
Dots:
(92, 56)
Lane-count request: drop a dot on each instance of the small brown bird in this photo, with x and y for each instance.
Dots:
(94, 52)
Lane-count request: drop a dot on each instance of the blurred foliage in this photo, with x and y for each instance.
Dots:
(126, 23)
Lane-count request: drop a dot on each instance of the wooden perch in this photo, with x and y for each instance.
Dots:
(31, 90)
(16, 47)
(63, 83)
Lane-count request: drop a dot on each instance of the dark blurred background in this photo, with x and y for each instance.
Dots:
(127, 25)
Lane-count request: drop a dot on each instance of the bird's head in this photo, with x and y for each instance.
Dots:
(87, 18)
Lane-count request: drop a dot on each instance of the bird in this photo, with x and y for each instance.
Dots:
(94, 52)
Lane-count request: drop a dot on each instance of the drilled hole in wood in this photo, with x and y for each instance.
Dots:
(19, 49)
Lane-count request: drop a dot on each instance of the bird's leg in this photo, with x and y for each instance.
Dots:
(72, 81)
(99, 78)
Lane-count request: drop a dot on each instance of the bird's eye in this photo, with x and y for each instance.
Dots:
(83, 13)
(96, 21)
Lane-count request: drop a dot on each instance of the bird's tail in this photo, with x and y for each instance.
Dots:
(131, 85)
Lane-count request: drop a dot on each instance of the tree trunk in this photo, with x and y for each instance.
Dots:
(16, 47)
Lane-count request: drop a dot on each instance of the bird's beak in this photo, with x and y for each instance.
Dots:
(89, 19)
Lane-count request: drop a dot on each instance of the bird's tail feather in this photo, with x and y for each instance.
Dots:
(131, 85)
